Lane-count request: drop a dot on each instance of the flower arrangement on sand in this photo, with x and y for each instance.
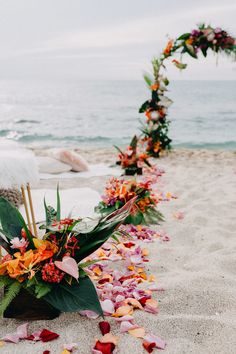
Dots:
(52, 268)
(119, 191)
(131, 160)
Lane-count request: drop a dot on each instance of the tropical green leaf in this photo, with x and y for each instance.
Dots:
(77, 297)
(41, 289)
(5, 244)
(135, 219)
(12, 222)
(134, 142)
(118, 149)
(148, 80)
(5, 281)
(144, 106)
(91, 241)
(153, 216)
(50, 213)
(58, 215)
(88, 263)
(190, 50)
(11, 292)
(184, 36)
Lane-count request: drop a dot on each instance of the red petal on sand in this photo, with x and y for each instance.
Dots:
(143, 300)
(47, 336)
(104, 348)
(46, 352)
(149, 346)
(129, 244)
(104, 327)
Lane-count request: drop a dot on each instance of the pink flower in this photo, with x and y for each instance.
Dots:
(17, 243)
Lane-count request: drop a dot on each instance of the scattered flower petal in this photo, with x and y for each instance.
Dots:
(104, 327)
(137, 332)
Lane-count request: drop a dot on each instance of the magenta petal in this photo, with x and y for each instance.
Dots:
(151, 338)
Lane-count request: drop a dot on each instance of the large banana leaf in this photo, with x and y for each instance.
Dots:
(91, 241)
(77, 297)
(12, 221)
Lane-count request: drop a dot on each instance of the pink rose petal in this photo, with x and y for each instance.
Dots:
(125, 326)
(107, 307)
(70, 346)
(90, 314)
(11, 338)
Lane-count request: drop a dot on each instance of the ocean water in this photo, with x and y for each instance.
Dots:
(103, 113)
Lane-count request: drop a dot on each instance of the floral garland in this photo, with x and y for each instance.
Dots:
(118, 192)
(155, 130)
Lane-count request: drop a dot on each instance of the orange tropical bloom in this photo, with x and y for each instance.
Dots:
(155, 87)
(168, 48)
(189, 41)
(25, 264)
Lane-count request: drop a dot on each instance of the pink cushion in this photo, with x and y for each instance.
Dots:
(77, 162)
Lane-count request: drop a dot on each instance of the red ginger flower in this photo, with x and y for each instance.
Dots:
(51, 274)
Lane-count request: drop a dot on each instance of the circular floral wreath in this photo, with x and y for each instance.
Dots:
(154, 136)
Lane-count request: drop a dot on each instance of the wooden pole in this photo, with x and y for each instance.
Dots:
(26, 208)
(32, 210)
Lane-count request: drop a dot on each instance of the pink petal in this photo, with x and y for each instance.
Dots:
(12, 338)
(90, 314)
(107, 307)
(69, 266)
(70, 346)
(125, 326)
(22, 331)
(151, 338)
(124, 318)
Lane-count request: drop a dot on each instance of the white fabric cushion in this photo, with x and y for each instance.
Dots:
(49, 165)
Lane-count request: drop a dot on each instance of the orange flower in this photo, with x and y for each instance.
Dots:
(24, 264)
(168, 48)
(148, 115)
(189, 41)
(157, 147)
(155, 87)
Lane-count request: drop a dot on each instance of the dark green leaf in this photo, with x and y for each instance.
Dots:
(77, 297)
(12, 222)
(58, 215)
(41, 289)
(144, 107)
(184, 36)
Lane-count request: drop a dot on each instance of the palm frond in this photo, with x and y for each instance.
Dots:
(11, 292)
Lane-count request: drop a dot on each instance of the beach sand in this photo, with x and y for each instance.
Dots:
(197, 310)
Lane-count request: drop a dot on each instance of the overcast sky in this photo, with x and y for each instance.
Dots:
(111, 39)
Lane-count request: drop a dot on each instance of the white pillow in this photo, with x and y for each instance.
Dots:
(52, 166)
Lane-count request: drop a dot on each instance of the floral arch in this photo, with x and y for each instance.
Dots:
(154, 139)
